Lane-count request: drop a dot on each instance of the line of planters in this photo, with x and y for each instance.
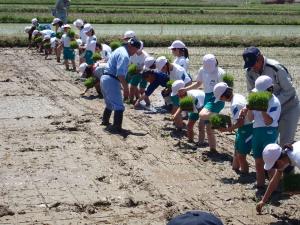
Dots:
(196, 40)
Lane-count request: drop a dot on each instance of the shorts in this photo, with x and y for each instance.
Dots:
(69, 53)
(211, 105)
(136, 80)
(193, 116)
(175, 100)
(243, 139)
(88, 56)
(262, 136)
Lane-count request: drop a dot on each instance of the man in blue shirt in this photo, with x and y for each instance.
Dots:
(111, 81)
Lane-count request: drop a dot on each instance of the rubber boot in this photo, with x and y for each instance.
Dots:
(118, 119)
(106, 116)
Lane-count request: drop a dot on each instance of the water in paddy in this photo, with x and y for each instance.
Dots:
(156, 29)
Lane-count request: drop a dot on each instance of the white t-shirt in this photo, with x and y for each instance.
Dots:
(65, 39)
(83, 36)
(183, 62)
(274, 110)
(91, 43)
(198, 96)
(53, 42)
(106, 52)
(47, 32)
(139, 59)
(238, 102)
(208, 79)
(179, 73)
(295, 154)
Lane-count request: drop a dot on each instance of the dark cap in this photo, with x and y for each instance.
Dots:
(195, 218)
(250, 56)
(135, 43)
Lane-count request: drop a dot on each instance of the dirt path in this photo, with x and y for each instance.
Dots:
(59, 166)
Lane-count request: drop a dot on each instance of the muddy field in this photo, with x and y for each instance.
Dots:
(59, 166)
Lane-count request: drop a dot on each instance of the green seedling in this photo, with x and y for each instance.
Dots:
(259, 100)
(169, 84)
(38, 39)
(114, 45)
(74, 45)
(90, 82)
(47, 45)
(59, 35)
(187, 103)
(219, 121)
(71, 34)
(228, 79)
(132, 69)
(96, 57)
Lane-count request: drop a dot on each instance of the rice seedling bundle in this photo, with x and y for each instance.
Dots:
(90, 82)
(132, 69)
(219, 121)
(47, 45)
(59, 35)
(186, 103)
(259, 100)
(114, 45)
(71, 34)
(228, 79)
(96, 57)
(170, 83)
(74, 44)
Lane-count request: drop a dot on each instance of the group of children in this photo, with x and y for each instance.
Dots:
(255, 129)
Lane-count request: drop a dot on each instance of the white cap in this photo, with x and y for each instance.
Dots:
(82, 67)
(149, 61)
(66, 26)
(87, 27)
(34, 21)
(47, 37)
(79, 41)
(78, 23)
(160, 62)
(177, 44)
(219, 90)
(129, 34)
(262, 83)
(35, 32)
(55, 21)
(271, 154)
(209, 63)
(27, 29)
(178, 84)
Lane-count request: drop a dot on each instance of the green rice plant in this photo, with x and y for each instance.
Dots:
(71, 33)
(96, 57)
(59, 35)
(114, 45)
(38, 39)
(90, 82)
(132, 69)
(259, 100)
(291, 183)
(228, 79)
(47, 45)
(74, 44)
(219, 121)
(169, 84)
(186, 103)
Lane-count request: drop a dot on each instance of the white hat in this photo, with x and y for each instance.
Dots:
(271, 154)
(178, 84)
(129, 34)
(47, 37)
(27, 29)
(66, 26)
(262, 83)
(87, 27)
(149, 61)
(55, 21)
(177, 44)
(209, 62)
(160, 62)
(219, 90)
(79, 41)
(78, 23)
(82, 67)
(35, 32)
(34, 21)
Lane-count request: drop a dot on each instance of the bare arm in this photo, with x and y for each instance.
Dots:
(177, 113)
(124, 85)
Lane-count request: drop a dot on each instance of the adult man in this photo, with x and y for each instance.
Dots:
(61, 10)
(256, 65)
(114, 74)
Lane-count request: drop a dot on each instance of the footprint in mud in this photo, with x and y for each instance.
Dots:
(5, 211)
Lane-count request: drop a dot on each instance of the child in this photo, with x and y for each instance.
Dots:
(243, 138)
(47, 45)
(69, 53)
(79, 24)
(90, 43)
(155, 79)
(180, 51)
(58, 24)
(149, 63)
(265, 126)
(136, 79)
(193, 115)
(209, 74)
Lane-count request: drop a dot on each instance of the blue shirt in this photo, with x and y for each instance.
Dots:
(160, 79)
(117, 64)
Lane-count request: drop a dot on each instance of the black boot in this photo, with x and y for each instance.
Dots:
(106, 116)
(118, 119)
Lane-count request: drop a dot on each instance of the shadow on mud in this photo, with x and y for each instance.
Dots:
(90, 97)
(124, 132)
(242, 179)
(282, 220)
(218, 156)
